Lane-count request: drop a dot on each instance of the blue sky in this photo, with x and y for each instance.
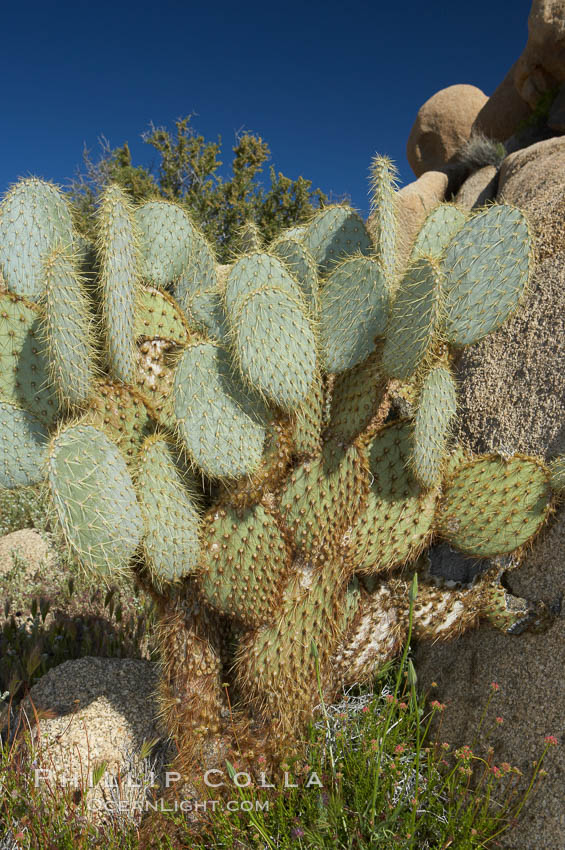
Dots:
(325, 84)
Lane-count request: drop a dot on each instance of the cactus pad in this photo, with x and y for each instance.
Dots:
(437, 406)
(487, 267)
(492, 506)
(23, 447)
(123, 415)
(356, 397)
(354, 312)
(171, 519)
(120, 262)
(166, 235)
(397, 523)
(94, 500)
(414, 320)
(67, 330)
(34, 220)
(198, 290)
(222, 427)
(334, 233)
(302, 268)
(323, 497)
(438, 230)
(158, 316)
(245, 564)
(274, 346)
(24, 371)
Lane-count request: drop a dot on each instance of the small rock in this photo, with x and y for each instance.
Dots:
(442, 125)
(95, 710)
(479, 188)
(29, 549)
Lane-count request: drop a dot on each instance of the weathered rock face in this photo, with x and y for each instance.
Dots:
(542, 64)
(442, 125)
(503, 111)
(512, 384)
(512, 397)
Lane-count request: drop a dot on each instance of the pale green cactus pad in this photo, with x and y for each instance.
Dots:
(166, 235)
(274, 346)
(253, 273)
(24, 368)
(198, 290)
(333, 234)
(438, 230)
(124, 416)
(356, 397)
(437, 405)
(487, 268)
(493, 505)
(323, 497)
(120, 261)
(94, 500)
(307, 419)
(383, 212)
(23, 447)
(171, 519)
(67, 330)
(221, 425)
(355, 303)
(34, 220)
(415, 319)
(302, 268)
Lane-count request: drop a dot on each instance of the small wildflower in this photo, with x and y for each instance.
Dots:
(393, 765)
(542, 773)
(495, 686)
(365, 708)
(434, 684)
(473, 831)
(297, 832)
(506, 767)
(438, 705)
(445, 745)
(497, 771)
(389, 698)
(402, 706)
(551, 740)
(399, 748)
(464, 752)
(500, 720)
(374, 744)
(261, 759)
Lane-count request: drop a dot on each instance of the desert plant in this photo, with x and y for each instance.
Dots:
(227, 435)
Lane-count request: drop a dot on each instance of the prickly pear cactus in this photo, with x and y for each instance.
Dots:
(234, 445)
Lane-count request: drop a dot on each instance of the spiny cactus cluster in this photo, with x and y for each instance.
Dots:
(266, 446)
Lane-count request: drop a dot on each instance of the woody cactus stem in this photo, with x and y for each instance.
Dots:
(235, 449)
